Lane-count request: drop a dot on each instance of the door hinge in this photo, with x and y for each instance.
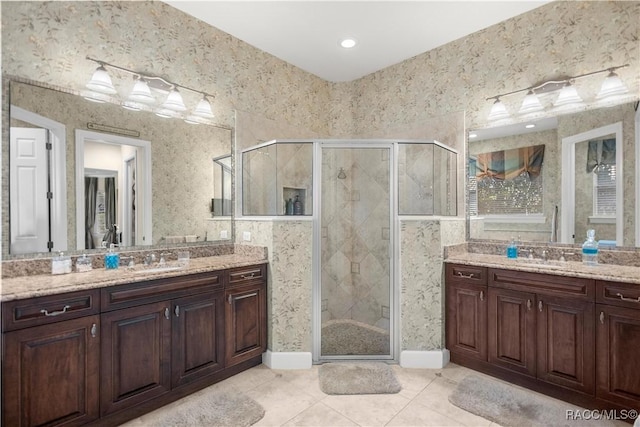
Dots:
(49, 146)
(49, 195)
(49, 245)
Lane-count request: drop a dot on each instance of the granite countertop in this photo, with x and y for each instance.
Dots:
(47, 284)
(613, 272)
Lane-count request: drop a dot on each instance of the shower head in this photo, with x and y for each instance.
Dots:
(341, 174)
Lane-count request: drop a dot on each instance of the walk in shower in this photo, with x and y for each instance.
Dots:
(355, 192)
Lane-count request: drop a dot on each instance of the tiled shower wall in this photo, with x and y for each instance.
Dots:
(355, 235)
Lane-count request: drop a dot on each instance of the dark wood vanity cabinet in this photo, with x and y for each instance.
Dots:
(50, 372)
(117, 352)
(466, 310)
(573, 338)
(245, 315)
(618, 343)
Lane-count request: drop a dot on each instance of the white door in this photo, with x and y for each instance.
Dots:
(28, 188)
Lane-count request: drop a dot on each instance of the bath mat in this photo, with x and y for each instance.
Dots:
(211, 408)
(510, 406)
(358, 378)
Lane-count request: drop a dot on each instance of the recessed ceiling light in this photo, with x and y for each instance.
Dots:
(473, 135)
(530, 126)
(348, 42)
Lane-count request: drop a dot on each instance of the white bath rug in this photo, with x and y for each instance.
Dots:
(358, 378)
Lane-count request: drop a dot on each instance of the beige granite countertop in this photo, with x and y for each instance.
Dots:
(613, 272)
(46, 284)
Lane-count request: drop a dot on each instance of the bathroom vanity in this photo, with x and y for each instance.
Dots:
(106, 354)
(559, 330)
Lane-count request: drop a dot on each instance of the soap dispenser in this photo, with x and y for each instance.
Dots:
(590, 249)
(512, 249)
(112, 258)
(297, 206)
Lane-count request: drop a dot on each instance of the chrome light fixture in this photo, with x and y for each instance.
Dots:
(567, 98)
(568, 95)
(141, 96)
(101, 82)
(612, 86)
(530, 104)
(498, 110)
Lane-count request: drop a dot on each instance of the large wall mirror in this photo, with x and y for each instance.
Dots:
(550, 180)
(159, 172)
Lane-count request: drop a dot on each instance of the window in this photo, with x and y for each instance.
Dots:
(604, 190)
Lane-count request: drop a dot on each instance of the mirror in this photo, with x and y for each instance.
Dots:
(555, 207)
(181, 182)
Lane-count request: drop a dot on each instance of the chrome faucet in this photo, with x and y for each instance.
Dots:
(163, 256)
(544, 256)
(149, 259)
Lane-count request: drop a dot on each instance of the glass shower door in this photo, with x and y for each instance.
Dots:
(356, 252)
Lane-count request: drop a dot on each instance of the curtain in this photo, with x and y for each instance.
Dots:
(111, 236)
(90, 191)
(601, 152)
(509, 164)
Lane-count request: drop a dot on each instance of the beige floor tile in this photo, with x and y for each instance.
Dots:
(367, 409)
(305, 380)
(413, 381)
(415, 414)
(249, 379)
(281, 401)
(436, 397)
(320, 415)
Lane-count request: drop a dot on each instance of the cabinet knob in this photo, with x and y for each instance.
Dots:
(481, 295)
(230, 299)
(602, 317)
(166, 312)
(94, 330)
(540, 306)
(528, 304)
(177, 311)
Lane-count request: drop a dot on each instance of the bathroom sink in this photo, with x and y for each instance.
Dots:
(538, 263)
(159, 269)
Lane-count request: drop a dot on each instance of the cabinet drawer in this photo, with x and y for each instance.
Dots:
(618, 294)
(36, 311)
(162, 289)
(544, 284)
(456, 273)
(247, 275)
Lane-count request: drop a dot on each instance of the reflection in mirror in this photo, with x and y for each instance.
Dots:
(221, 203)
(592, 162)
(547, 224)
(119, 212)
(181, 176)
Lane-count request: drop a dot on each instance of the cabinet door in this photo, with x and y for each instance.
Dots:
(197, 336)
(51, 374)
(467, 320)
(512, 330)
(245, 323)
(565, 342)
(617, 343)
(136, 347)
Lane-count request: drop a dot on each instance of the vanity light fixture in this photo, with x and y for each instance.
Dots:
(567, 98)
(611, 86)
(141, 97)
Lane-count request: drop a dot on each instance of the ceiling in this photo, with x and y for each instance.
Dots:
(307, 33)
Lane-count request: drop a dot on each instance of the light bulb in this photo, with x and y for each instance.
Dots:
(568, 95)
(203, 109)
(498, 111)
(141, 92)
(174, 101)
(611, 86)
(530, 104)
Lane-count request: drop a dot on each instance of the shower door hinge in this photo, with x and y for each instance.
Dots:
(50, 245)
(49, 195)
(49, 146)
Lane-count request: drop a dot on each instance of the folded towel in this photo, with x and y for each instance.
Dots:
(174, 239)
(191, 238)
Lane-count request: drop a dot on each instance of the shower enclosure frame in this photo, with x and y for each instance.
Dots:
(394, 293)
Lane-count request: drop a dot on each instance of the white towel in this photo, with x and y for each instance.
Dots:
(191, 238)
(174, 239)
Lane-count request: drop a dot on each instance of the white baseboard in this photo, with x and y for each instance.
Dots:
(287, 360)
(432, 359)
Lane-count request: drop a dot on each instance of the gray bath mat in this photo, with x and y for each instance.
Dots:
(510, 406)
(358, 378)
(211, 408)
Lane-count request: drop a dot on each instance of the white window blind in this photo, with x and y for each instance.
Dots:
(604, 190)
(519, 196)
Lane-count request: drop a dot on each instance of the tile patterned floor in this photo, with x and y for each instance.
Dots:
(294, 398)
